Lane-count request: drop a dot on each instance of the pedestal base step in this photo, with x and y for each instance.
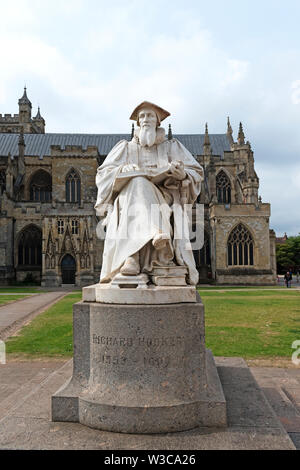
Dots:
(73, 403)
(169, 281)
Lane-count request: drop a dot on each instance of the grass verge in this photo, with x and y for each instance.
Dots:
(7, 299)
(25, 290)
(254, 324)
(48, 335)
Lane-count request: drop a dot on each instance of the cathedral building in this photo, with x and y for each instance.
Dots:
(47, 195)
(23, 122)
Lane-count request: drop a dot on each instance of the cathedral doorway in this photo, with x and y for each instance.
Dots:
(68, 269)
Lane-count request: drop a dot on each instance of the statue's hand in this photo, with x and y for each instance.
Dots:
(129, 167)
(176, 169)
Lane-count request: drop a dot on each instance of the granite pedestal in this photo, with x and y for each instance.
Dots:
(141, 369)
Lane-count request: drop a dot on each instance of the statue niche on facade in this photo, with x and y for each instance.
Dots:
(143, 186)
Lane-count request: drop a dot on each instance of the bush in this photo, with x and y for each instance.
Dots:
(288, 255)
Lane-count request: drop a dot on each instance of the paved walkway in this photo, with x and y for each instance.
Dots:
(26, 389)
(281, 387)
(14, 315)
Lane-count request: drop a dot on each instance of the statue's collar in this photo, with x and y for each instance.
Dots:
(160, 135)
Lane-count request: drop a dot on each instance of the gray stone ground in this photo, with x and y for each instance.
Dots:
(281, 387)
(26, 389)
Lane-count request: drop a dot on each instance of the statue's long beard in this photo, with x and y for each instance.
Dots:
(147, 136)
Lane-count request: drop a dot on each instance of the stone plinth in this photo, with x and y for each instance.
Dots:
(141, 369)
(149, 295)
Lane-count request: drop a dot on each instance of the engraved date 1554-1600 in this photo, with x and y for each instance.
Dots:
(151, 361)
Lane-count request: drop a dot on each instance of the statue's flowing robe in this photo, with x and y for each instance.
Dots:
(129, 227)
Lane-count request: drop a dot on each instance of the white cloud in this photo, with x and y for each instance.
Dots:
(35, 60)
(280, 185)
(16, 15)
(237, 71)
(296, 181)
(90, 63)
(296, 92)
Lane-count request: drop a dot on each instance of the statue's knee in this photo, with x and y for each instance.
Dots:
(139, 181)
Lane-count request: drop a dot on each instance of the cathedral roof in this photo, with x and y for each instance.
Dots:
(39, 144)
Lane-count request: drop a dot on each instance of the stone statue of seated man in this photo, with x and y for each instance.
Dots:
(142, 187)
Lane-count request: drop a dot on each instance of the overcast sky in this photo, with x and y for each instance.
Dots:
(88, 63)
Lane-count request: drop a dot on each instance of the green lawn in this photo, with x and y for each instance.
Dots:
(5, 299)
(16, 290)
(252, 324)
(242, 287)
(49, 334)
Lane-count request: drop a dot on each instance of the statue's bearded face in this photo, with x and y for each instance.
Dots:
(147, 121)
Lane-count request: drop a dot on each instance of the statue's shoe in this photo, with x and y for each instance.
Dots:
(130, 267)
(160, 241)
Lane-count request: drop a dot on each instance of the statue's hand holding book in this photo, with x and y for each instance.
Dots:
(154, 174)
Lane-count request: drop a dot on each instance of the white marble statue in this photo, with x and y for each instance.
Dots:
(142, 186)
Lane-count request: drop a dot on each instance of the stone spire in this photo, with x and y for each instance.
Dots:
(170, 134)
(21, 137)
(21, 158)
(39, 121)
(9, 161)
(24, 100)
(9, 176)
(9, 168)
(229, 131)
(210, 166)
(38, 117)
(241, 135)
(25, 107)
(206, 145)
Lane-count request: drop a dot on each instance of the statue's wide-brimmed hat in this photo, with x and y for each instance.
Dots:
(160, 112)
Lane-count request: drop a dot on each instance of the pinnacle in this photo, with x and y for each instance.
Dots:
(24, 99)
(38, 116)
(241, 135)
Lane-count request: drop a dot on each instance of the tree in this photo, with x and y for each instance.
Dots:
(288, 255)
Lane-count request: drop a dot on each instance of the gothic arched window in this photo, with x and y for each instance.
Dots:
(2, 181)
(240, 247)
(41, 187)
(73, 187)
(30, 247)
(223, 188)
